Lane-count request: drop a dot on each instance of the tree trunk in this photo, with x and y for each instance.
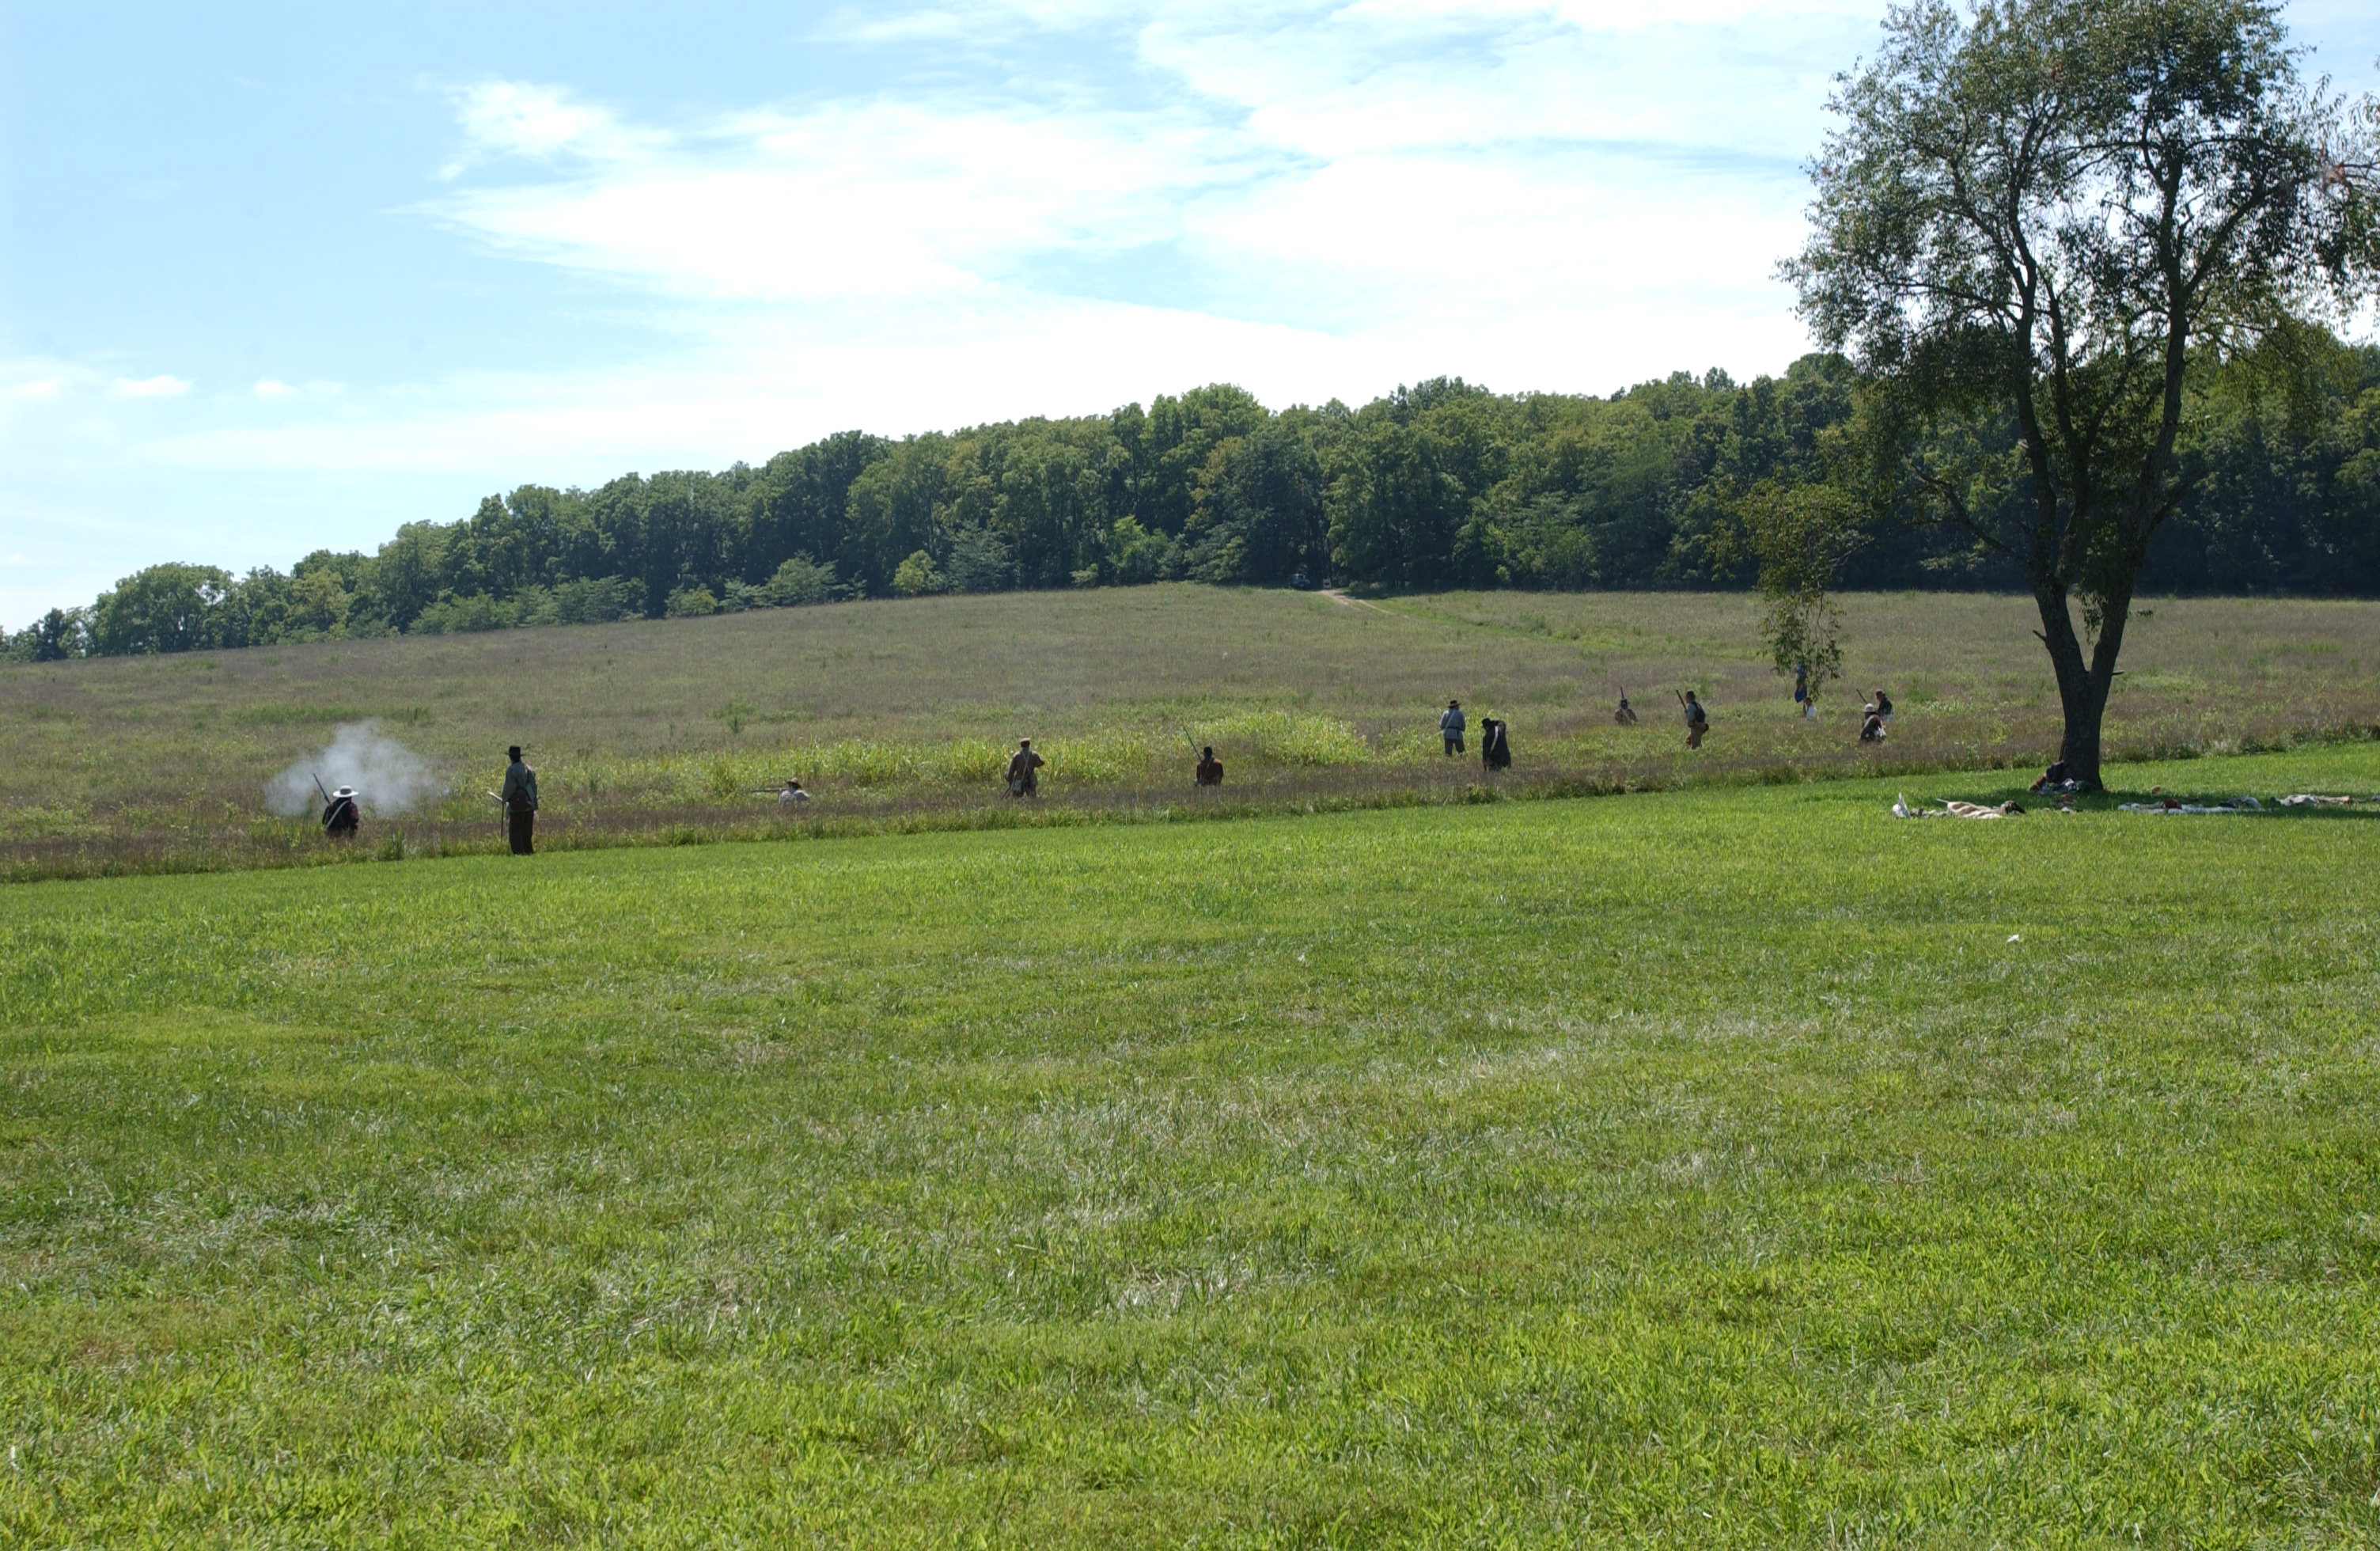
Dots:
(2083, 686)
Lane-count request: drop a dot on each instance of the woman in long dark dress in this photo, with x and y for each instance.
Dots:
(1495, 753)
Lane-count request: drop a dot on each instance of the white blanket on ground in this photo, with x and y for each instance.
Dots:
(1951, 808)
(2237, 805)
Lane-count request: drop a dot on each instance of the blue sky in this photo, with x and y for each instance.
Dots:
(273, 277)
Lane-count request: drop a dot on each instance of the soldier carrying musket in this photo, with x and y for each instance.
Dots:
(340, 814)
(519, 798)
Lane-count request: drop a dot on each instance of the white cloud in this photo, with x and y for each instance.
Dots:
(855, 201)
(521, 118)
(1017, 354)
(42, 387)
(1372, 77)
(1345, 198)
(151, 387)
(274, 388)
(1326, 201)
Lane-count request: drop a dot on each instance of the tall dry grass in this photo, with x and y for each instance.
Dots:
(901, 714)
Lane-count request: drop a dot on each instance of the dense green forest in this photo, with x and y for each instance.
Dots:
(1444, 484)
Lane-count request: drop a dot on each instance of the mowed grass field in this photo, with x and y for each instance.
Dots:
(901, 713)
(1717, 1167)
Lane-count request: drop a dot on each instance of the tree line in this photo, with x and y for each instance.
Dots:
(1439, 485)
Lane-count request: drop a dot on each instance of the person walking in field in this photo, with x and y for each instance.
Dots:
(519, 796)
(1210, 769)
(1022, 782)
(792, 795)
(1697, 721)
(1872, 726)
(1449, 727)
(1884, 706)
(1495, 753)
(1626, 715)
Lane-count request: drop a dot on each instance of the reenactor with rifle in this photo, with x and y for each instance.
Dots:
(341, 816)
(518, 796)
(1697, 720)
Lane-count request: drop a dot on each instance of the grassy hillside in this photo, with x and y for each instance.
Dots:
(1719, 1168)
(901, 711)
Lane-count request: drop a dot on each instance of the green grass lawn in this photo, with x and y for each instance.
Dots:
(1700, 1168)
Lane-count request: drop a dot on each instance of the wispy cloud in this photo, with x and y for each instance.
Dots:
(151, 387)
(522, 119)
(1311, 200)
(1543, 194)
(274, 388)
(862, 201)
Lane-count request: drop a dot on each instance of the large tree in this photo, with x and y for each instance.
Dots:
(2037, 217)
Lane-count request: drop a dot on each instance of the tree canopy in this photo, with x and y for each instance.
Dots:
(1442, 483)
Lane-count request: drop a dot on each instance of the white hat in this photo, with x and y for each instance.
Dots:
(344, 792)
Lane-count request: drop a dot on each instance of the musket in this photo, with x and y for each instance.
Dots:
(318, 786)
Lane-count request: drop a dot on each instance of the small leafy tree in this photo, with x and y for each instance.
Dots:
(2044, 211)
(800, 580)
(1800, 535)
(917, 576)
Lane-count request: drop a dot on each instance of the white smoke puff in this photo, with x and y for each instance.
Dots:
(388, 777)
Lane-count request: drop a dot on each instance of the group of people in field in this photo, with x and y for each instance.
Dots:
(1495, 749)
(515, 800)
(517, 795)
(1495, 743)
(1876, 717)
